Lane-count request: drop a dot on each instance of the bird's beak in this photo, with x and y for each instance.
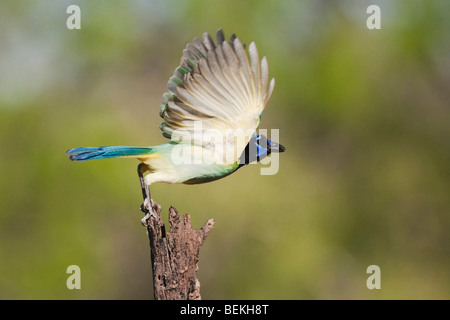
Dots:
(276, 147)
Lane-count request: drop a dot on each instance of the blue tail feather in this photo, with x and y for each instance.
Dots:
(82, 154)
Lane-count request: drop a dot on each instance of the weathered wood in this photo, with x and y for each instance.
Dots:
(175, 253)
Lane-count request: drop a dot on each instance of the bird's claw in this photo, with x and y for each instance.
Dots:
(149, 210)
(144, 220)
(144, 206)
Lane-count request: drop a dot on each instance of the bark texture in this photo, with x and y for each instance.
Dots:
(175, 255)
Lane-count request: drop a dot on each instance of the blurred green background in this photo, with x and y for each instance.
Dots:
(364, 115)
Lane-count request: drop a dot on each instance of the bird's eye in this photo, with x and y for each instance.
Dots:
(258, 137)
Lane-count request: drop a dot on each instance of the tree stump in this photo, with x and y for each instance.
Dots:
(175, 255)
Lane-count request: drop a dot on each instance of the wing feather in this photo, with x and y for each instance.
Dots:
(221, 87)
(208, 42)
(217, 78)
(245, 68)
(254, 66)
(220, 37)
(227, 72)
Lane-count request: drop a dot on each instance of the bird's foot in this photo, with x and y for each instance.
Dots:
(144, 206)
(151, 209)
(144, 220)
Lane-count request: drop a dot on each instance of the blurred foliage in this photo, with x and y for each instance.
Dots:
(364, 115)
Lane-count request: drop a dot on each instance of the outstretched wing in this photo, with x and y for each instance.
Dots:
(216, 96)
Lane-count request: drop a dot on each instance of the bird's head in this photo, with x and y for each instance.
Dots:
(258, 148)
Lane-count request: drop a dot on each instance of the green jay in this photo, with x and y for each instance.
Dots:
(211, 113)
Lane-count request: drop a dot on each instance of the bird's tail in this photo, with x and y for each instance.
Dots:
(82, 154)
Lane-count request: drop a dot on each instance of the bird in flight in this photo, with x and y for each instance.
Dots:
(211, 113)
